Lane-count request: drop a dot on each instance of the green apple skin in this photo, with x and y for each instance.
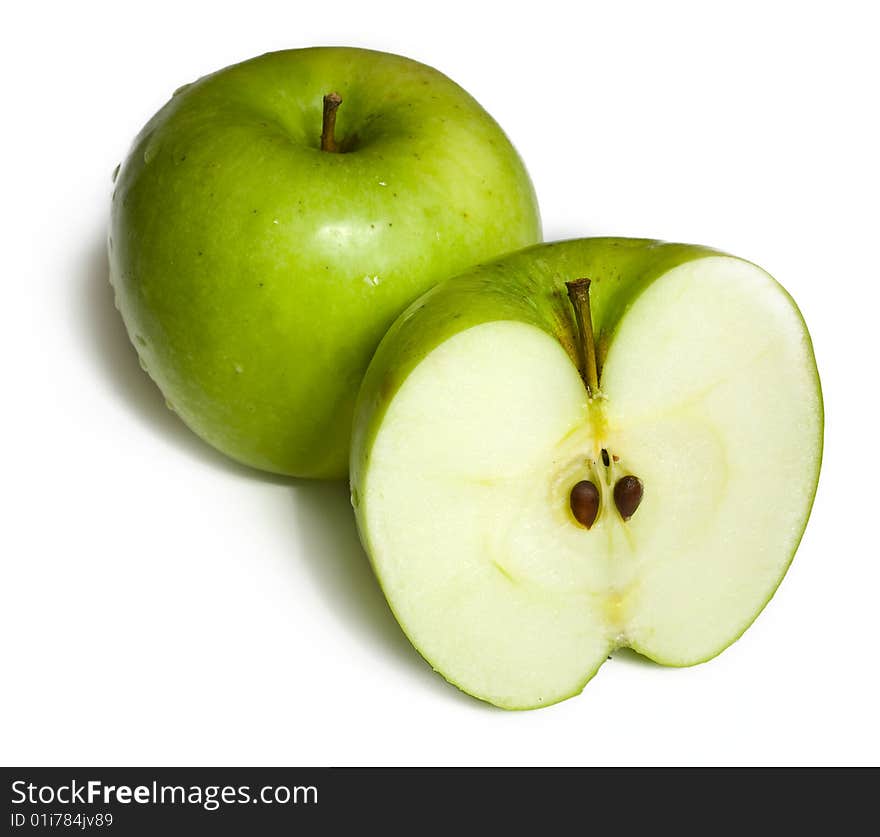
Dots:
(528, 287)
(256, 273)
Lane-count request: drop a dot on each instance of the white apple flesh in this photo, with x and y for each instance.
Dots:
(709, 396)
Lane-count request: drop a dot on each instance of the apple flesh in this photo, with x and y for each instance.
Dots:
(257, 264)
(474, 427)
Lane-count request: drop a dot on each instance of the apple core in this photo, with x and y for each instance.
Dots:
(585, 498)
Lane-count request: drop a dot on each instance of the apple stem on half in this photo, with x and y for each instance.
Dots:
(579, 295)
(332, 101)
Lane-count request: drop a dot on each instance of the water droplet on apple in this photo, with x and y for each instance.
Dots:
(382, 183)
(274, 220)
(115, 173)
(170, 406)
(238, 369)
(355, 500)
(151, 149)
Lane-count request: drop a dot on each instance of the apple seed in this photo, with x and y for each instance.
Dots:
(627, 495)
(584, 501)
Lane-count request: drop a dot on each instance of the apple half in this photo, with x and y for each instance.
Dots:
(540, 480)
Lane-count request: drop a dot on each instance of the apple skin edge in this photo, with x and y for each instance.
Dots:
(527, 286)
(257, 273)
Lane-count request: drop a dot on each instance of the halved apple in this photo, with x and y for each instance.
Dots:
(532, 500)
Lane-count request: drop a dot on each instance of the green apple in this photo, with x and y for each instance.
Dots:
(532, 498)
(262, 241)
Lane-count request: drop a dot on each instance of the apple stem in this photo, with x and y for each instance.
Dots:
(579, 295)
(328, 129)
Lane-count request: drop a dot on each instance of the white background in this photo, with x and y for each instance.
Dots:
(161, 605)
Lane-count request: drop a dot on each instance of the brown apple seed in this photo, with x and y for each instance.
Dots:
(627, 495)
(584, 501)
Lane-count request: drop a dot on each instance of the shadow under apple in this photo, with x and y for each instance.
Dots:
(324, 524)
(328, 534)
(114, 358)
(627, 655)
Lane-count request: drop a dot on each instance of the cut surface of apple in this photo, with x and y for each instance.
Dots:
(471, 443)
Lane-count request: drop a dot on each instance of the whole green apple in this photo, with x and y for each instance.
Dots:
(263, 237)
(583, 446)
